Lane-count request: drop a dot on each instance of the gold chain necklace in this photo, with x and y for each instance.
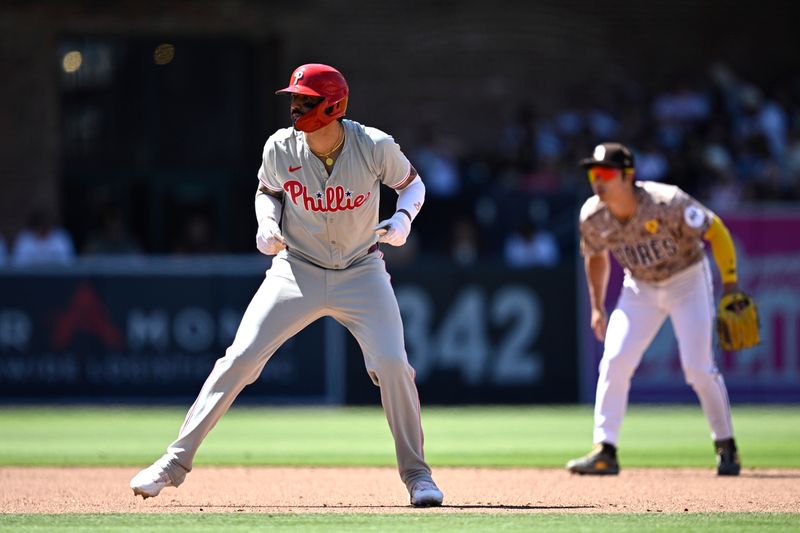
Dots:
(329, 160)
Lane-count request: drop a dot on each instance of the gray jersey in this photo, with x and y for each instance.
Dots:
(329, 220)
(662, 238)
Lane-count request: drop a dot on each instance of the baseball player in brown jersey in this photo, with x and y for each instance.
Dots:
(656, 233)
(317, 209)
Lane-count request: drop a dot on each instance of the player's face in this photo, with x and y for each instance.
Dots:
(302, 104)
(605, 180)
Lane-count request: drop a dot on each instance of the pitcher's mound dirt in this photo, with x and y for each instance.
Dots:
(379, 490)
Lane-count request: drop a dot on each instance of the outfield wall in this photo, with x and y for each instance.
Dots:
(150, 330)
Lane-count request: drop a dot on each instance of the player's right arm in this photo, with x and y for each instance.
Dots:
(598, 268)
(269, 239)
(596, 263)
(269, 205)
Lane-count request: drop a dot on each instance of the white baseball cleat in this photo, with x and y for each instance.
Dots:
(426, 494)
(161, 474)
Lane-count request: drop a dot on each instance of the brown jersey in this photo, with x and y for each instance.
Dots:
(663, 237)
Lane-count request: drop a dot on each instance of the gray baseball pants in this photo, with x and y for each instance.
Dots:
(294, 294)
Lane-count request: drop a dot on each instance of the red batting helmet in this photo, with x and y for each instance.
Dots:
(316, 79)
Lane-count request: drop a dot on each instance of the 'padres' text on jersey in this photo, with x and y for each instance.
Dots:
(663, 237)
(328, 220)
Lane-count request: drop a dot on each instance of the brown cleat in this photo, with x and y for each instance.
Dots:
(601, 461)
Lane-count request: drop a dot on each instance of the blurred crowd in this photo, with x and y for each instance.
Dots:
(40, 242)
(724, 139)
(721, 138)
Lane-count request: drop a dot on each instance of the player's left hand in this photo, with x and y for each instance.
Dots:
(737, 322)
(394, 230)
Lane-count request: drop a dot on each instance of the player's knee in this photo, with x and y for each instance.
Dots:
(698, 375)
(243, 360)
(389, 364)
(374, 377)
(616, 368)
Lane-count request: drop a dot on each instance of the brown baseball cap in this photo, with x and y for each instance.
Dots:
(613, 155)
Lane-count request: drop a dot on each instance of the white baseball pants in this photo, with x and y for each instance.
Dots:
(687, 298)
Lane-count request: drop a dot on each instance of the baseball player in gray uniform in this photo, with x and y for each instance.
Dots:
(656, 232)
(317, 210)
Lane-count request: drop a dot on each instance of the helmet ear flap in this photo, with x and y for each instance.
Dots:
(341, 105)
(337, 108)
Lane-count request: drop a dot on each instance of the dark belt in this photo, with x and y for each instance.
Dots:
(373, 248)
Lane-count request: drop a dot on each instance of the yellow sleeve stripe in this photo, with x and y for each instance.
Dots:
(723, 249)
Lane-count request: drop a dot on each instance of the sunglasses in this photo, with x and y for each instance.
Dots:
(603, 173)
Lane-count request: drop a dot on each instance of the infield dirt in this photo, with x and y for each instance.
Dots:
(379, 490)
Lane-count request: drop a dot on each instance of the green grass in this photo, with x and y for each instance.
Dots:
(768, 436)
(467, 436)
(423, 521)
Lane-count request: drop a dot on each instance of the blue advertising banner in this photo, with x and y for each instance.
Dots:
(152, 337)
(484, 335)
(148, 333)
